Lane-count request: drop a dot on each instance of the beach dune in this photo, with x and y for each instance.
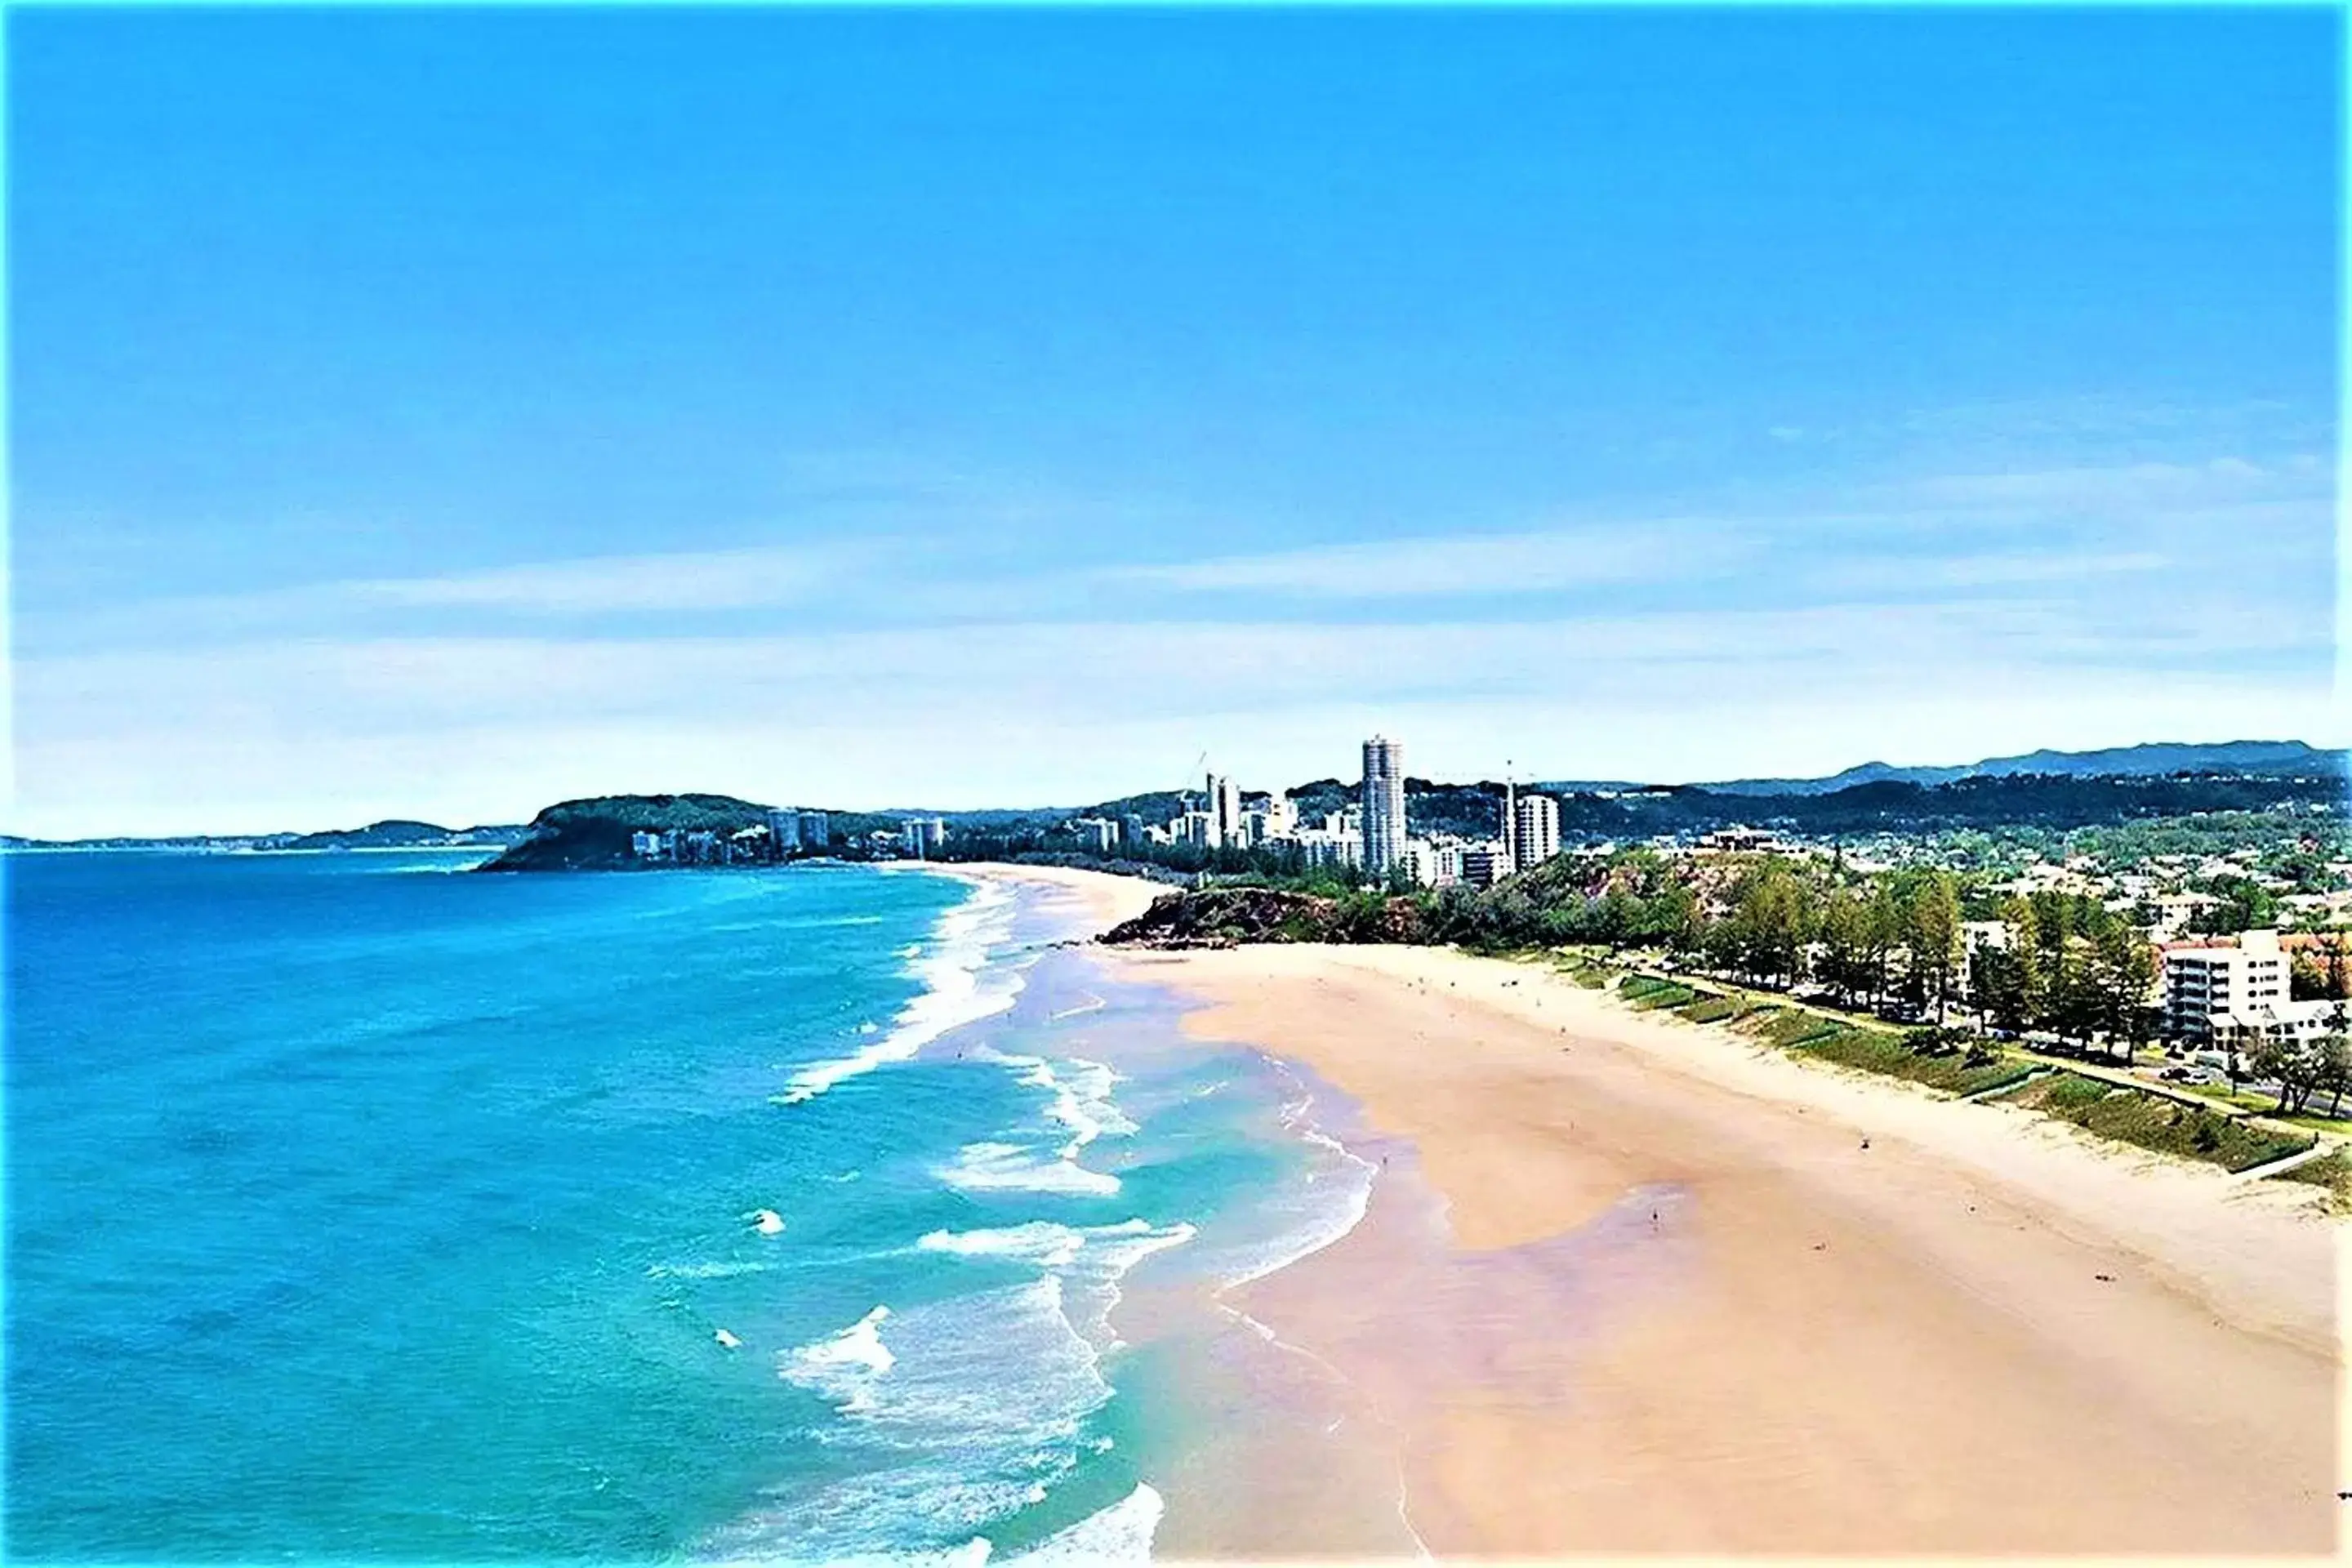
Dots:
(1632, 1286)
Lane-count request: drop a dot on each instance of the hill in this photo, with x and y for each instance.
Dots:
(593, 834)
(399, 834)
(2253, 758)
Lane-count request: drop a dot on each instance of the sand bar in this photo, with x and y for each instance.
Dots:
(1689, 1295)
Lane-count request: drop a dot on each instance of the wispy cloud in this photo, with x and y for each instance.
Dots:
(712, 579)
(1449, 565)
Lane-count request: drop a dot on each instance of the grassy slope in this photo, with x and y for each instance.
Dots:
(2145, 1121)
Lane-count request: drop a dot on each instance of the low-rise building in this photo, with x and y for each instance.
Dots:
(1484, 864)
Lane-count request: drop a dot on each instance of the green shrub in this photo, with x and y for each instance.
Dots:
(1709, 1009)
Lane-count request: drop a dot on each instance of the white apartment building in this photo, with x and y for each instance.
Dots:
(2210, 991)
(1535, 837)
(1319, 847)
(816, 830)
(1276, 819)
(1418, 858)
(1383, 803)
(1100, 834)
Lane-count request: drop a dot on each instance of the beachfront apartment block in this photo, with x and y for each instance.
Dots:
(784, 830)
(2213, 990)
(1535, 830)
(1100, 834)
(1383, 803)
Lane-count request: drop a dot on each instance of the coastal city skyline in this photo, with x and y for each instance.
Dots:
(377, 456)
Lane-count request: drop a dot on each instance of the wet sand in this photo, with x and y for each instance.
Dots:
(1093, 901)
(1636, 1286)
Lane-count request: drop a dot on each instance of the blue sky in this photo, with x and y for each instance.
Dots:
(442, 413)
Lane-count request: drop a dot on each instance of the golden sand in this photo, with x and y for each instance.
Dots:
(1695, 1297)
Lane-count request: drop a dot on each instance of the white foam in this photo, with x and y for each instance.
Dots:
(958, 987)
(728, 1340)
(1089, 1260)
(847, 1368)
(1041, 1241)
(703, 1270)
(1009, 1167)
(767, 1222)
(1079, 1095)
(983, 1404)
(1119, 1533)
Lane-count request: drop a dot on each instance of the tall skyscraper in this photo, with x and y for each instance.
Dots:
(1224, 808)
(1536, 832)
(1383, 803)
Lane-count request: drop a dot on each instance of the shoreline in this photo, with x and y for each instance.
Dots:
(1667, 1289)
(1092, 902)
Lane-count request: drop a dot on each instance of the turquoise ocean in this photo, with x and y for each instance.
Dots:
(361, 1209)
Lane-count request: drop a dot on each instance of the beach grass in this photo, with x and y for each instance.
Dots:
(2151, 1121)
(1650, 992)
(2332, 1172)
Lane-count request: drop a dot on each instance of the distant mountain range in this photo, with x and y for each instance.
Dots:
(2264, 759)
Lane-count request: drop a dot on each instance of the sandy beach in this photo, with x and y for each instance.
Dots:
(1093, 901)
(1630, 1285)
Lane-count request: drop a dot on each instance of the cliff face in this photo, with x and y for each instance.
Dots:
(1229, 917)
(593, 834)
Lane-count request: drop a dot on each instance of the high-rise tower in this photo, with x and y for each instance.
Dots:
(1224, 808)
(1535, 837)
(1383, 804)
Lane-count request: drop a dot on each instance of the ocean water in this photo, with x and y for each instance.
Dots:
(358, 1209)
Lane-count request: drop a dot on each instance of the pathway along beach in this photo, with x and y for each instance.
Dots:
(1630, 1286)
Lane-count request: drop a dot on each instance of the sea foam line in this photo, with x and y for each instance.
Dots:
(1336, 1215)
(951, 967)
